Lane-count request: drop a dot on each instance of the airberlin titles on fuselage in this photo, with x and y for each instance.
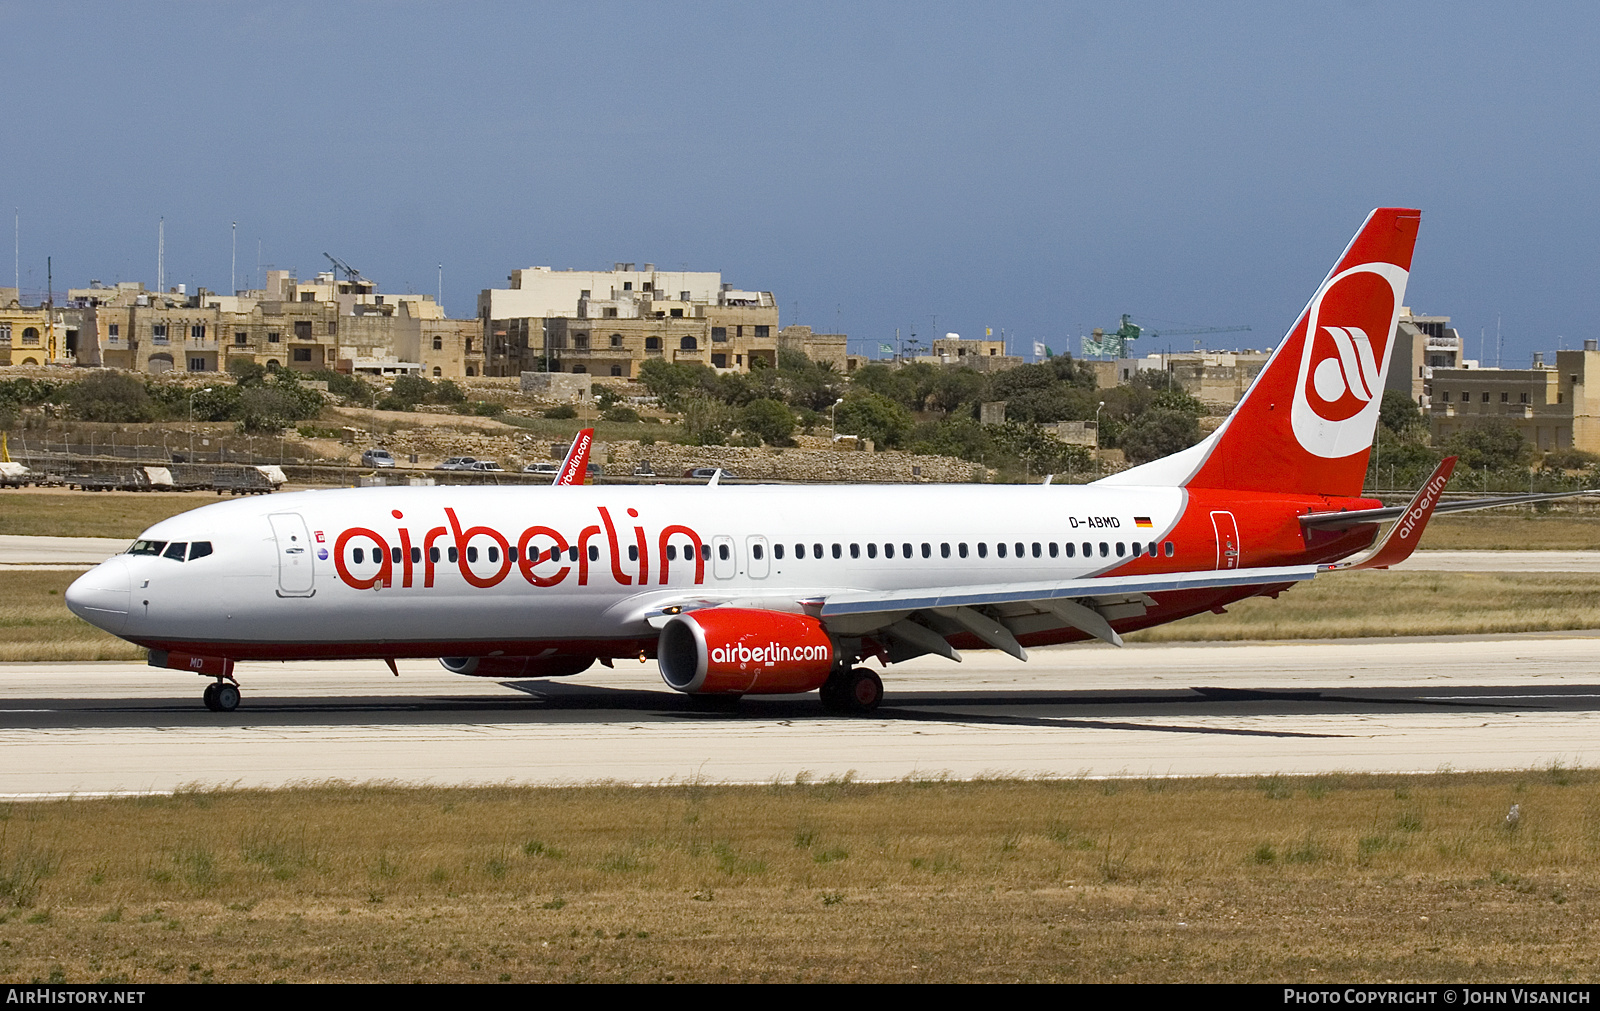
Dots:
(542, 555)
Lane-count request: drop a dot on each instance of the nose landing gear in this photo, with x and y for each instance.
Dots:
(221, 697)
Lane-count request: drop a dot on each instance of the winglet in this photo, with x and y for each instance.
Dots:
(576, 465)
(1406, 534)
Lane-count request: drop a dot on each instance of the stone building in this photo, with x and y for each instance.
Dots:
(306, 326)
(27, 332)
(1422, 344)
(608, 323)
(985, 355)
(1216, 378)
(829, 348)
(1553, 406)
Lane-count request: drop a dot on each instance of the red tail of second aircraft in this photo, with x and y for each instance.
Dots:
(576, 466)
(1306, 424)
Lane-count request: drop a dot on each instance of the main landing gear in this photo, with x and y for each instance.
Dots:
(221, 697)
(852, 690)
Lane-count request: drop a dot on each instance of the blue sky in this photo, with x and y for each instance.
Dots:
(1038, 167)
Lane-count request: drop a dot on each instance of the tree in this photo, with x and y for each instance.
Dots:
(246, 372)
(1491, 444)
(111, 396)
(769, 419)
(1399, 415)
(411, 390)
(873, 416)
(1158, 432)
(263, 411)
(707, 422)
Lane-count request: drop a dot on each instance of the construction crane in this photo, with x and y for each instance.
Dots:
(351, 274)
(1116, 344)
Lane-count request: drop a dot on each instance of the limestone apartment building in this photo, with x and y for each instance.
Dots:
(610, 322)
(1554, 406)
(324, 323)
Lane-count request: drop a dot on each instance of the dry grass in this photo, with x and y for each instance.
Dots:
(36, 625)
(91, 514)
(1338, 878)
(1515, 530)
(1340, 605)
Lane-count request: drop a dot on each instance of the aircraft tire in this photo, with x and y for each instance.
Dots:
(852, 692)
(209, 696)
(227, 697)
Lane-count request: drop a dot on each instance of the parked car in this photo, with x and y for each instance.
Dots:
(457, 463)
(542, 468)
(705, 473)
(377, 458)
(485, 465)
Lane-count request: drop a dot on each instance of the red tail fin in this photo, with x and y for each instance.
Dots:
(576, 466)
(1307, 422)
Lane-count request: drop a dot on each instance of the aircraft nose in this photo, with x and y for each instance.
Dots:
(100, 596)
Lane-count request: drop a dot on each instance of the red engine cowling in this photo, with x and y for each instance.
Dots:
(517, 666)
(738, 651)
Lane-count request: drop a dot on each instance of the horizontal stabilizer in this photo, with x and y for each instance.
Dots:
(1403, 537)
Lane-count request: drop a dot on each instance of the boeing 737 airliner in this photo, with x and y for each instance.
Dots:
(767, 589)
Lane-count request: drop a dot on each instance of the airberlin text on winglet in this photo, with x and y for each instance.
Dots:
(536, 546)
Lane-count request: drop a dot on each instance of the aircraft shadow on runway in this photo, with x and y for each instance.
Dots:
(553, 702)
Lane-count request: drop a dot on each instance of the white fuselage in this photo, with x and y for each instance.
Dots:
(436, 571)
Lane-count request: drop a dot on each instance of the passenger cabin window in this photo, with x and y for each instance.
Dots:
(1167, 549)
(755, 552)
(777, 552)
(722, 552)
(836, 551)
(855, 551)
(999, 549)
(983, 549)
(961, 549)
(872, 550)
(1072, 549)
(799, 550)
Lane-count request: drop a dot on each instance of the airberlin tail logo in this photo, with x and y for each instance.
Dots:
(1345, 358)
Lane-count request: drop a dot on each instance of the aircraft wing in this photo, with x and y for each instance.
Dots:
(853, 602)
(1357, 517)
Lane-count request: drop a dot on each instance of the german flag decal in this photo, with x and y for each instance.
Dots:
(1143, 522)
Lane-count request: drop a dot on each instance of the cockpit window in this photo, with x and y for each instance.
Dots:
(147, 547)
(175, 550)
(199, 549)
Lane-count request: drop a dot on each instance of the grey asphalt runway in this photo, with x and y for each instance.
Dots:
(1402, 705)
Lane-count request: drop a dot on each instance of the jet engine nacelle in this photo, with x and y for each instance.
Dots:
(739, 651)
(517, 666)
